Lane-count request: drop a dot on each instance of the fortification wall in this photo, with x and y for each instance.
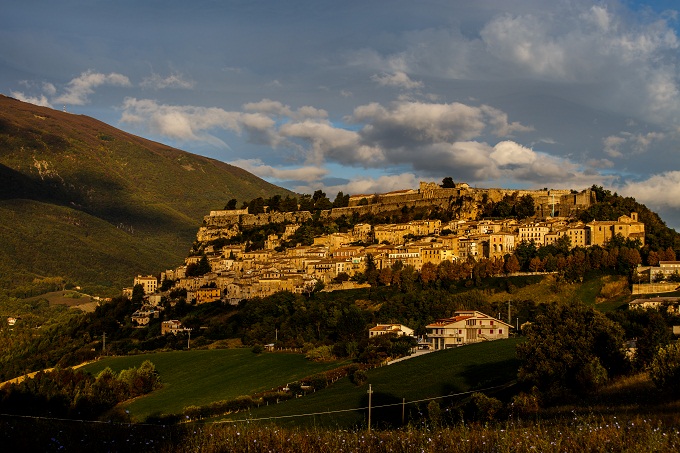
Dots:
(274, 217)
(464, 200)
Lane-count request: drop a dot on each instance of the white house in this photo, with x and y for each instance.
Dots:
(383, 329)
(465, 327)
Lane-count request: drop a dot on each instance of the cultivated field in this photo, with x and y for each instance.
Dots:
(203, 376)
(417, 381)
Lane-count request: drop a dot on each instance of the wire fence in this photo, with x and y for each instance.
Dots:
(279, 417)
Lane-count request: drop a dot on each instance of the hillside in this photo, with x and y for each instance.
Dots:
(87, 202)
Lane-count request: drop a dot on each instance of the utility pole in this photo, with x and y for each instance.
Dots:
(104, 343)
(403, 411)
(509, 318)
(370, 392)
(189, 340)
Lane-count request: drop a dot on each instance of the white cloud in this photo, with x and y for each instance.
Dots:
(49, 89)
(78, 89)
(508, 153)
(431, 139)
(658, 190)
(499, 120)
(257, 167)
(408, 123)
(397, 79)
(366, 185)
(600, 163)
(328, 142)
(36, 100)
(603, 55)
(627, 143)
(185, 123)
(269, 107)
(156, 81)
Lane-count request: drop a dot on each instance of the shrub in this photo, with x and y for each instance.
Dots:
(318, 381)
(320, 354)
(482, 408)
(434, 413)
(275, 397)
(359, 377)
(295, 388)
(525, 404)
(665, 368)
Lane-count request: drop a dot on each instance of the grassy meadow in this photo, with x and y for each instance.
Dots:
(432, 375)
(202, 376)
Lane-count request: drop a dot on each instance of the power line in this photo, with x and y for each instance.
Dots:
(279, 417)
(338, 411)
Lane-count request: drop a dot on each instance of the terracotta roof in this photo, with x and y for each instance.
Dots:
(446, 321)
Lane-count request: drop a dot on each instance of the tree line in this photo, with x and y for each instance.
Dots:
(69, 393)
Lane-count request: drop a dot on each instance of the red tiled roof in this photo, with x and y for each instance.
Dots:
(446, 321)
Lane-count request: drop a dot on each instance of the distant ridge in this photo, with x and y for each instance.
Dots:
(66, 180)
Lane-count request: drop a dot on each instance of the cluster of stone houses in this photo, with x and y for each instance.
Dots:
(464, 327)
(237, 274)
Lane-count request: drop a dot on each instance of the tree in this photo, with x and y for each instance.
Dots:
(571, 349)
(138, 294)
(511, 264)
(321, 201)
(306, 203)
(525, 207)
(341, 200)
(428, 273)
(231, 204)
(524, 251)
(447, 183)
(654, 336)
(665, 368)
(256, 206)
(536, 264)
(289, 204)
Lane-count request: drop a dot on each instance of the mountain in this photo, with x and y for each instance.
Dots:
(84, 201)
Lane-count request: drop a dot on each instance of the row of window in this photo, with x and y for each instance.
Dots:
(460, 331)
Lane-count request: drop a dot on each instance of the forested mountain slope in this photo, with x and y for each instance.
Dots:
(82, 200)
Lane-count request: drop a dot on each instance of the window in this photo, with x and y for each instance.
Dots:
(491, 332)
(479, 331)
(500, 331)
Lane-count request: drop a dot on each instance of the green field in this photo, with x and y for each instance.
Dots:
(437, 374)
(203, 376)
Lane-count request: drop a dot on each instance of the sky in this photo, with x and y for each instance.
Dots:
(372, 96)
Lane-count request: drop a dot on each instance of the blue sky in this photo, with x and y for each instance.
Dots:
(372, 96)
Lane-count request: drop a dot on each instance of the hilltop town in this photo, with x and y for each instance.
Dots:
(220, 268)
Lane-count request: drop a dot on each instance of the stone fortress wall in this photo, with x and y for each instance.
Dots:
(465, 199)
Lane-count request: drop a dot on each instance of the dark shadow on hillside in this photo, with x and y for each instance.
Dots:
(16, 185)
(93, 194)
(385, 417)
(490, 374)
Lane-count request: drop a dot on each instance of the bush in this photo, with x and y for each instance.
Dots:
(258, 349)
(358, 377)
(320, 354)
(665, 368)
(434, 413)
(482, 408)
(275, 397)
(525, 404)
(318, 381)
